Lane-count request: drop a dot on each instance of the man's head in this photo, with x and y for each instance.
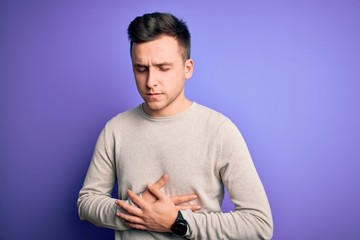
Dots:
(153, 25)
(160, 55)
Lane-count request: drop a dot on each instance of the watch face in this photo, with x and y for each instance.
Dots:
(179, 228)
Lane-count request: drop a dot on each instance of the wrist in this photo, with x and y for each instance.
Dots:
(171, 219)
(180, 226)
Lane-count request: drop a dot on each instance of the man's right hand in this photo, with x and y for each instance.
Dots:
(179, 201)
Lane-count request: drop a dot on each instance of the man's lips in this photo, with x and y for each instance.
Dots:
(153, 95)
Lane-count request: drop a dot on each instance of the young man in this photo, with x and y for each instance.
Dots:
(187, 151)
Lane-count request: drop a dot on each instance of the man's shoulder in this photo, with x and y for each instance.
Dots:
(125, 117)
(210, 113)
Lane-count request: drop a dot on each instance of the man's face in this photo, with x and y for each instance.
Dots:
(160, 73)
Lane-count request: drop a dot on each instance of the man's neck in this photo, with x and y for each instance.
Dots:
(172, 109)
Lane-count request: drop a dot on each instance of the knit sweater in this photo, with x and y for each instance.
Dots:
(202, 152)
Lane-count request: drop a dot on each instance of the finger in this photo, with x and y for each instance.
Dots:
(129, 218)
(136, 226)
(189, 207)
(137, 199)
(156, 192)
(130, 209)
(183, 198)
(161, 181)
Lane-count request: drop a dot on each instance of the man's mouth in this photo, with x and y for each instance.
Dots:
(153, 96)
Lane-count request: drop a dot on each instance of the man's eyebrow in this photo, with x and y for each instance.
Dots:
(139, 65)
(163, 64)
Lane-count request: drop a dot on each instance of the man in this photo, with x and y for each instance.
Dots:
(171, 157)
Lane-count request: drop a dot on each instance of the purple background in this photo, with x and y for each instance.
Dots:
(286, 72)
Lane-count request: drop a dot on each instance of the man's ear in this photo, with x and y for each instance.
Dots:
(189, 68)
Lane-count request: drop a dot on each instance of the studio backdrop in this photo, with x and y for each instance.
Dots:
(286, 72)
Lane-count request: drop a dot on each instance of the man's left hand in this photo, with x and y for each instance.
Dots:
(157, 216)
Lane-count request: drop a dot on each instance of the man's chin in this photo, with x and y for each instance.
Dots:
(154, 106)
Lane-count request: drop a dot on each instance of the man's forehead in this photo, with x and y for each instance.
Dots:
(155, 58)
(164, 47)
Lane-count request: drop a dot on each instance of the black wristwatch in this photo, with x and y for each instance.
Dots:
(180, 226)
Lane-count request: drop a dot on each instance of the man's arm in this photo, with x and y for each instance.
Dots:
(95, 203)
(251, 218)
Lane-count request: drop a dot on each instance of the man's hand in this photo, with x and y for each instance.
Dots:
(156, 211)
(161, 182)
(157, 216)
(177, 200)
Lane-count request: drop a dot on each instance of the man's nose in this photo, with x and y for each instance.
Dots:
(152, 79)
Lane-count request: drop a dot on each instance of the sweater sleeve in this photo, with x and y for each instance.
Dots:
(95, 203)
(251, 218)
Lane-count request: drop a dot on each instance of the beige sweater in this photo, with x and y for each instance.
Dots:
(202, 152)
